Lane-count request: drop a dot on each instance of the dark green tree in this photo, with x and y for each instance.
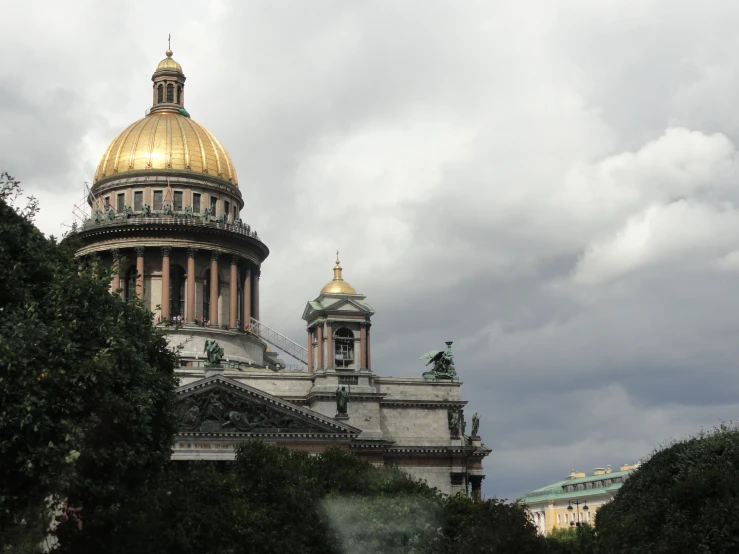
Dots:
(572, 540)
(684, 499)
(86, 383)
(489, 527)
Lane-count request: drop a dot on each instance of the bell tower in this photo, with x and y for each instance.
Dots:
(338, 323)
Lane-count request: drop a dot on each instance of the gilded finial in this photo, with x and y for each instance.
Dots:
(337, 257)
(169, 46)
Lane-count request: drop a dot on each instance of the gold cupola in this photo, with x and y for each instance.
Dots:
(338, 285)
(169, 85)
(167, 140)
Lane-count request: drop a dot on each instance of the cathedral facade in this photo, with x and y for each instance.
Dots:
(166, 215)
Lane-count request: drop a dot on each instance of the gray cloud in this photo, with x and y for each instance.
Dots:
(552, 186)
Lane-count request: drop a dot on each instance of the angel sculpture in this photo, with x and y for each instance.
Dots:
(443, 363)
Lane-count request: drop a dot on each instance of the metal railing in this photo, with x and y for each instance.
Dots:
(174, 221)
(277, 340)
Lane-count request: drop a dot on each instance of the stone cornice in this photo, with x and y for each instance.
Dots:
(286, 435)
(166, 227)
(114, 241)
(421, 403)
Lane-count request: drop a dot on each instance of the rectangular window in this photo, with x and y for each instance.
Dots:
(158, 194)
(213, 204)
(235, 214)
(178, 201)
(121, 203)
(196, 203)
(138, 201)
(226, 209)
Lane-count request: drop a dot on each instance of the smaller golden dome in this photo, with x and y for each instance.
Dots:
(168, 64)
(338, 285)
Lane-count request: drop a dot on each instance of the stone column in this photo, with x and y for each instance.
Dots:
(255, 299)
(310, 350)
(213, 315)
(362, 346)
(166, 251)
(369, 348)
(329, 346)
(247, 298)
(476, 486)
(233, 292)
(190, 310)
(140, 272)
(116, 281)
(319, 345)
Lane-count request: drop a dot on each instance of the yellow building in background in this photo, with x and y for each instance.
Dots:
(576, 499)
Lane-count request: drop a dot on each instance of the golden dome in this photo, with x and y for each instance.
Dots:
(169, 64)
(167, 140)
(338, 285)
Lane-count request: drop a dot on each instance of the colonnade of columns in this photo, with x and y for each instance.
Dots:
(316, 346)
(250, 289)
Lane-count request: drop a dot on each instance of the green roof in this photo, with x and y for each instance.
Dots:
(557, 490)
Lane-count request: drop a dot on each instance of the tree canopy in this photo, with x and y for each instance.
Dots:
(86, 382)
(683, 499)
(275, 500)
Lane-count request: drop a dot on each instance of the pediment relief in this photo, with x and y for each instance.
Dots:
(222, 405)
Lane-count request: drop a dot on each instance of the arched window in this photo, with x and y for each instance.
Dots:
(179, 94)
(176, 291)
(170, 93)
(160, 94)
(129, 290)
(343, 348)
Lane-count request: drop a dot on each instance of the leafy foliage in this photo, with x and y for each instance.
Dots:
(573, 540)
(276, 500)
(86, 383)
(684, 499)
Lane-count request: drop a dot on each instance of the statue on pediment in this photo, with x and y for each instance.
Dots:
(214, 352)
(475, 424)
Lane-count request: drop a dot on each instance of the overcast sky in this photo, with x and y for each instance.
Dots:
(551, 185)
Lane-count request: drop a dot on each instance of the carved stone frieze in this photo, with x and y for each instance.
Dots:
(220, 410)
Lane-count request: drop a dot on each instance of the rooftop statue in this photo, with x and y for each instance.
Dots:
(188, 212)
(206, 215)
(146, 212)
(167, 209)
(109, 214)
(475, 424)
(127, 212)
(443, 364)
(97, 217)
(213, 351)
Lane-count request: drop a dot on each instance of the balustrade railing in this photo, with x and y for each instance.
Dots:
(176, 220)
